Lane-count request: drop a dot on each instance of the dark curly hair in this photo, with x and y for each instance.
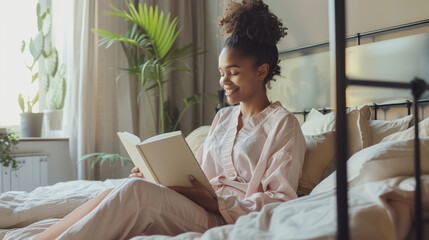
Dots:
(255, 31)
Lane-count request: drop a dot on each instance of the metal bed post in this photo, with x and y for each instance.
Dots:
(418, 87)
(341, 123)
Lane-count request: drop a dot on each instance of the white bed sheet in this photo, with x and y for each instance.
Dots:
(20, 209)
(380, 210)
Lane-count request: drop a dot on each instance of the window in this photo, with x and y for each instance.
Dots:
(17, 22)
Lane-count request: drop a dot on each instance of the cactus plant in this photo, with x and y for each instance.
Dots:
(54, 83)
(53, 80)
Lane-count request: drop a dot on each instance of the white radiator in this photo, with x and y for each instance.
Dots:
(32, 172)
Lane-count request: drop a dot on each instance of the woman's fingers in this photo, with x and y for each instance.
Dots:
(138, 174)
(135, 170)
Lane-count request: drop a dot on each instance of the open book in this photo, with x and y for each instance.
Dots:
(165, 159)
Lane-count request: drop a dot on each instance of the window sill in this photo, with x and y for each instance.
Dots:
(42, 139)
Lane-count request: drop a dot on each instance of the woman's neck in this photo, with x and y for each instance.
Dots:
(255, 106)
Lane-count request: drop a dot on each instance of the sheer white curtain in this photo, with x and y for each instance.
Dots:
(97, 106)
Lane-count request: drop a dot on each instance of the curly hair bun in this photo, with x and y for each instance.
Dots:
(252, 19)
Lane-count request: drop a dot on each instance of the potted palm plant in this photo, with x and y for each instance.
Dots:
(148, 45)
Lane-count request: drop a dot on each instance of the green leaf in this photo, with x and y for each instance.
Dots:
(21, 102)
(35, 99)
(34, 77)
(46, 24)
(51, 62)
(36, 46)
(22, 46)
(38, 9)
(87, 157)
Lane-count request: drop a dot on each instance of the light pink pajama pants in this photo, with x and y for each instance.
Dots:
(140, 207)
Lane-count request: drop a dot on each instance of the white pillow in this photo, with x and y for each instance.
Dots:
(318, 123)
(319, 153)
(379, 162)
(409, 133)
(379, 129)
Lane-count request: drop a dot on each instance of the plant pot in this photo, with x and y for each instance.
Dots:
(53, 119)
(31, 124)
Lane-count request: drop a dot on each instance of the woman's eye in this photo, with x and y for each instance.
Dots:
(234, 74)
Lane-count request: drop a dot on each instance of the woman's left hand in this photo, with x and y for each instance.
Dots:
(198, 194)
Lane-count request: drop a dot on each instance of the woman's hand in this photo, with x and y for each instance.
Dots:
(135, 172)
(199, 194)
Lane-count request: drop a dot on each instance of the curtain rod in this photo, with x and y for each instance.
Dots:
(359, 35)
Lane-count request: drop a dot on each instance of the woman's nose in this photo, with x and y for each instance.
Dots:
(224, 80)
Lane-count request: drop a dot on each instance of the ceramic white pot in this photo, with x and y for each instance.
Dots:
(54, 119)
(31, 124)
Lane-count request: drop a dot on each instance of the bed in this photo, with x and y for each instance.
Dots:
(380, 184)
(381, 199)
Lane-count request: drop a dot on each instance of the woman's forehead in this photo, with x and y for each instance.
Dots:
(231, 57)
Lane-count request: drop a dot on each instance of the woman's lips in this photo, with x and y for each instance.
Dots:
(229, 92)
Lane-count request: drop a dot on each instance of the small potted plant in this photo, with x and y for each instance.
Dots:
(8, 142)
(31, 123)
(54, 85)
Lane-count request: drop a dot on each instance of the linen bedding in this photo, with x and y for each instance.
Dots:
(377, 210)
(381, 196)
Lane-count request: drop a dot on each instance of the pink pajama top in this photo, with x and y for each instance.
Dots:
(260, 164)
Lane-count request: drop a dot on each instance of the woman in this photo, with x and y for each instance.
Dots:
(252, 156)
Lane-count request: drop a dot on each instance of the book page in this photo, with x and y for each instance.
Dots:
(172, 161)
(162, 136)
(130, 142)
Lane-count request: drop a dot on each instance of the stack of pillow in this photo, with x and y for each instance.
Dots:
(377, 148)
(387, 149)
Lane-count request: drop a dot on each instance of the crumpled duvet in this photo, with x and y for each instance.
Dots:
(378, 210)
(20, 209)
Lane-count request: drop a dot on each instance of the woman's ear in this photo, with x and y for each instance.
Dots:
(263, 71)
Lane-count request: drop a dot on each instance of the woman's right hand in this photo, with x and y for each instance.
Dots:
(135, 172)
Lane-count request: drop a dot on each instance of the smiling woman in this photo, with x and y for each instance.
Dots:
(14, 74)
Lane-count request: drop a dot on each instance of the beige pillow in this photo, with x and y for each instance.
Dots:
(409, 133)
(197, 137)
(356, 124)
(379, 162)
(379, 129)
(319, 153)
(364, 109)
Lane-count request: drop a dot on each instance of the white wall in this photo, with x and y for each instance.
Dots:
(308, 22)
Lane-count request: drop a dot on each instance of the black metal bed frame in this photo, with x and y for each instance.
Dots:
(417, 86)
(375, 106)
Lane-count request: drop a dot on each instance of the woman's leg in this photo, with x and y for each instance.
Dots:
(139, 206)
(57, 229)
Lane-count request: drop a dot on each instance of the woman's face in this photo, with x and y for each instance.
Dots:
(241, 80)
